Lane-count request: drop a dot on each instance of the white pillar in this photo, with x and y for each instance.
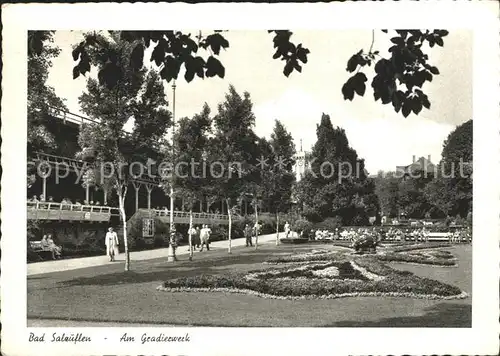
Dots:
(149, 187)
(137, 186)
(44, 187)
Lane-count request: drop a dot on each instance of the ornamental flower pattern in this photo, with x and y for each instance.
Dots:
(326, 275)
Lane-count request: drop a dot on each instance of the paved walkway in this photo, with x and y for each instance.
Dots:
(84, 262)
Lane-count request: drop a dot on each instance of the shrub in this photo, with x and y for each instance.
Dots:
(367, 240)
(329, 224)
(360, 220)
(303, 226)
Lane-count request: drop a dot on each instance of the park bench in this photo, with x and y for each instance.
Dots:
(39, 249)
(439, 236)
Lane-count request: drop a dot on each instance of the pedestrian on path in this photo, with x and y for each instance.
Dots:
(192, 237)
(197, 237)
(287, 229)
(205, 237)
(248, 235)
(111, 244)
(257, 227)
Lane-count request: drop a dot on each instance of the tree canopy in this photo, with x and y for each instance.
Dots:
(337, 183)
(116, 156)
(452, 189)
(42, 98)
(398, 79)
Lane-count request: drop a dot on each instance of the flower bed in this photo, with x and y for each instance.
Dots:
(421, 246)
(324, 275)
(437, 258)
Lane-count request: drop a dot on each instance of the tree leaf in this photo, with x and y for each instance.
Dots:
(158, 54)
(76, 71)
(425, 102)
(397, 40)
(302, 53)
(216, 41)
(434, 70)
(214, 67)
(396, 101)
(416, 105)
(359, 85)
(406, 109)
(348, 90)
(439, 41)
(189, 75)
(288, 68)
(353, 62)
(84, 65)
(76, 52)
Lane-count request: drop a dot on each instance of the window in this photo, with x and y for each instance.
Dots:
(148, 227)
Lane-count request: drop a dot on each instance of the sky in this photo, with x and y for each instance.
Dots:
(382, 137)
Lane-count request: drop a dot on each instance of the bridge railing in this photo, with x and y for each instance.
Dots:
(63, 211)
(185, 214)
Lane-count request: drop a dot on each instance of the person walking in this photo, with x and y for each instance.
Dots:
(205, 237)
(248, 235)
(257, 227)
(192, 237)
(287, 229)
(111, 244)
(197, 237)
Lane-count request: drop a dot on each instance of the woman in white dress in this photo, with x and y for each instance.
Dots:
(111, 244)
(287, 229)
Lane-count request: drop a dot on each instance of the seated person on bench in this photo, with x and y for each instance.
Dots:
(48, 243)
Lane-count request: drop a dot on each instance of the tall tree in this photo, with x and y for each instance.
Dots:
(233, 152)
(260, 184)
(451, 192)
(412, 200)
(42, 99)
(387, 190)
(337, 183)
(398, 80)
(280, 178)
(191, 141)
(115, 155)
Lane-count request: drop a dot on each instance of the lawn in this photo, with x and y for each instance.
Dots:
(107, 293)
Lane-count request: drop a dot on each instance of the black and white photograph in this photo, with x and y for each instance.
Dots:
(180, 178)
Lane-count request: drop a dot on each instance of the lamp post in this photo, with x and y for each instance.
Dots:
(171, 250)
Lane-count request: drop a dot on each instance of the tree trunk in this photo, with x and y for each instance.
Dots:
(121, 203)
(256, 226)
(171, 250)
(190, 237)
(277, 228)
(229, 214)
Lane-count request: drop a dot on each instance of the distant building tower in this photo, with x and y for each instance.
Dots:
(301, 163)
